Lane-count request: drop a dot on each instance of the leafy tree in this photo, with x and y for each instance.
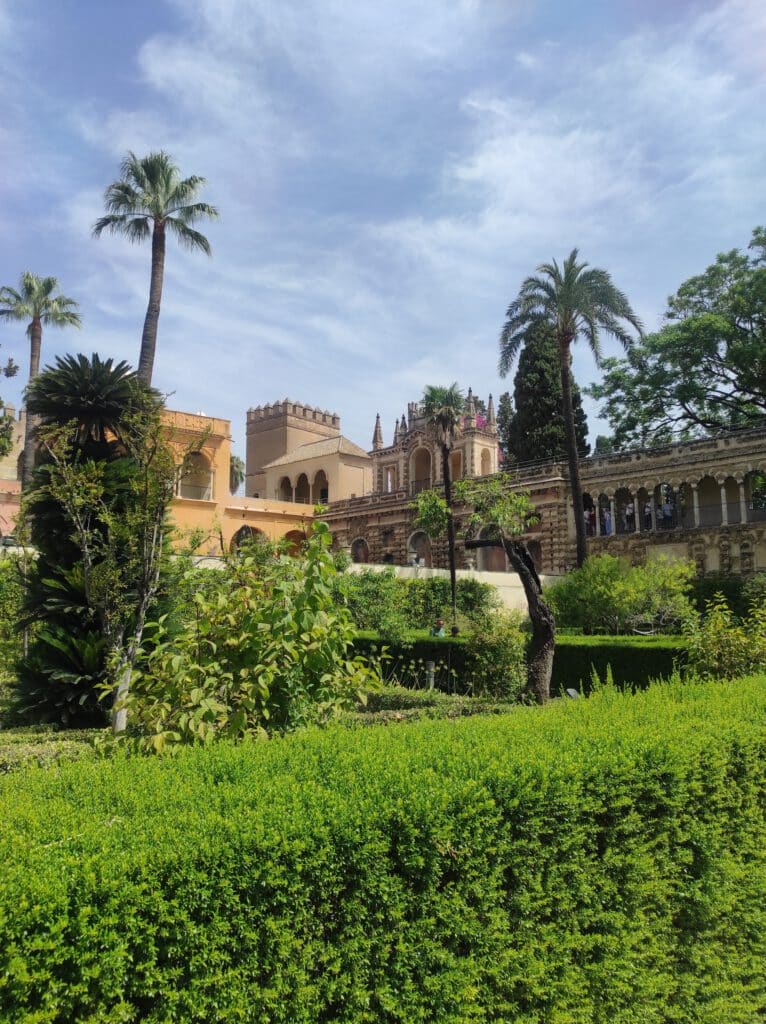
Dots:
(37, 301)
(97, 517)
(443, 408)
(605, 445)
(706, 369)
(507, 514)
(236, 473)
(536, 429)
(574, 300)
(504, 418)
(151, 199)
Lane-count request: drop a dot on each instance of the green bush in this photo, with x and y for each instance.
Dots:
(634, 661)
(720, 647)
(598, 860)
(11, 599)
(609, 595)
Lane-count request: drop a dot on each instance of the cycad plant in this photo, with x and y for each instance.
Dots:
(576, 300)
(150, 200)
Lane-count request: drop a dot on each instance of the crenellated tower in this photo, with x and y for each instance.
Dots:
(276, 429)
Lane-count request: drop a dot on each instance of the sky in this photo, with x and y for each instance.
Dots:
(386, 173)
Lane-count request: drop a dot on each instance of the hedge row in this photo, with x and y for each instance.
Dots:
(593, 861)
(634, 661)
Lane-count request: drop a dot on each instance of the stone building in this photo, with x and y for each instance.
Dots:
(704, 500)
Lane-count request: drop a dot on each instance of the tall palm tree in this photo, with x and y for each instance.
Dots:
(151, 199)
(443, 408)
(38, 302)
(236, 473)
(575, 299)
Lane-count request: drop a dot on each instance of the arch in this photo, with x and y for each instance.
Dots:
(709, 497)
(420, 470)
(456, 464)
(302, 490)
(625, 511)
(535, 549)
(646, 509)
(589, 510)
(419, 549)
(731, 497)
(295, 541)
(285, 492)
(685, 507)
(666, 503)
(490, 559)
(196, 480)
(486, 462)
(320, 489)
(360, 551)
(246, 535)
(605, 524)
(755, 496)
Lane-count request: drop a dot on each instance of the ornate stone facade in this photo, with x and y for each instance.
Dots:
(704, 500)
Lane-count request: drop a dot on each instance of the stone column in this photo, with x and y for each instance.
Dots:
(613, 514)
(695, 504)
(653, 506)
(597, 530)
(742, 502)
(636, 515)
(724, 506)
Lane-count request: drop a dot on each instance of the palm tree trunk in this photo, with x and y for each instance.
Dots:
(565, 357)
(149, 335)
(35, 348)
(450, 530)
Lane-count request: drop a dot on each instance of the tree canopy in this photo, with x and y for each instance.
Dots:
(705, 370)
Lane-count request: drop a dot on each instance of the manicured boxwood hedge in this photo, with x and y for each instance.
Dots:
(600, 860)
(634, 660)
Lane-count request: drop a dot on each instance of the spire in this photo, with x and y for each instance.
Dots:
(403, 426)
(491, 418)
(396, 432)
(470, 410)
(377, 437)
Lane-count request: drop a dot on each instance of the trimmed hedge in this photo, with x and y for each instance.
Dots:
(599, 861)
(634, 660)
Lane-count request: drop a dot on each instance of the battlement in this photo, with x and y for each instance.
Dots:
(297, 410)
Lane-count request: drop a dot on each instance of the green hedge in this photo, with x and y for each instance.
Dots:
(601, 860)
(635, 660)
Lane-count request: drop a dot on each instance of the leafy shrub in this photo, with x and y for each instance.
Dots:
(608, 595)
(720, 647)
(595, 860)
(496, 657)
(754, 591)
(634, 661)
(11, 600)
(266, 649)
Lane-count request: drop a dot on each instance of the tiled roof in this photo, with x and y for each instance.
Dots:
(318, 450)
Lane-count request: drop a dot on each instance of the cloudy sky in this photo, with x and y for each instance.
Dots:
(387, 174)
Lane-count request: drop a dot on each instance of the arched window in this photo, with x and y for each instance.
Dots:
(709, 497)
(605, 524)
(420, 470)
(320, 491)
(490, 559)
(419, 549)
(486, 462)
(302, 490)
(666, 505)
(196, 478)
(625, 511)
(285, 489)
(246, 535)
(589, 512)
(755, 496)
(295, 539)
(360, 551)
(456, 465)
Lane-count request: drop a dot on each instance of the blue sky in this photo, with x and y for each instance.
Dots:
(387, 174)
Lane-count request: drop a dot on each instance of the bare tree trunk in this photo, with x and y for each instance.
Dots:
(450, 530)
(542, 646)
(149, 335)
(565, 357)
(35, 348)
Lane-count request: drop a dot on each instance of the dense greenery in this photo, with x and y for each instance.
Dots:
(609, 595)
(706, 370)
(722, 647)
(598, 860)
(535, 429)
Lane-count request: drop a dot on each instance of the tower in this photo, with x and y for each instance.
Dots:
(274, 430)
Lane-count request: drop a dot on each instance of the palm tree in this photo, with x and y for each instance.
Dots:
(151, 198)
(236, 473)
(574, 299)
(36, 301)
(443, 408)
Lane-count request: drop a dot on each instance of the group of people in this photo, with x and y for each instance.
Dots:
(665, 517)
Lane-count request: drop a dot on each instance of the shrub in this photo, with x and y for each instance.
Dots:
(720, 647)
(634, 661)
(11, 600)
(608, 595)
(266, 649)
(595, 860)
(496, 658)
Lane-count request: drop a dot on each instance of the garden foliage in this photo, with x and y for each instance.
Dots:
(264, 649)
(601, 860)
(720, 646)
(608, 595)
